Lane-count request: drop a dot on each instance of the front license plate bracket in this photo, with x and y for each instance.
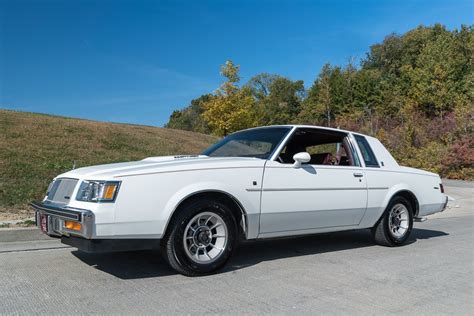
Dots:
(43, 221)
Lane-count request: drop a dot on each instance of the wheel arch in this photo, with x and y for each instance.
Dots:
(236, 207)
(405, 193)
(410, 197)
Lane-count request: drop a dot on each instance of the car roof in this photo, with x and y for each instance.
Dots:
(306, 126)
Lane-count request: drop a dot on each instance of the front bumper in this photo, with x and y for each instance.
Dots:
(51, 218)
(110, 245)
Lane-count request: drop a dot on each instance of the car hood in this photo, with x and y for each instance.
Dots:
(162, 164)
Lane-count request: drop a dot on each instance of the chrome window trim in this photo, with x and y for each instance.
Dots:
(289, 127)
(355, 153)
(282, 144)
(295, 128)
(357, 150)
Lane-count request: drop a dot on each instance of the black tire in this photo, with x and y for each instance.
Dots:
(172, 246)
(381, 231)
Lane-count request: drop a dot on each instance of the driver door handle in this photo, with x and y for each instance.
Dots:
(358, 174)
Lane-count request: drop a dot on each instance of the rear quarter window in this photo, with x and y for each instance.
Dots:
(367, 153)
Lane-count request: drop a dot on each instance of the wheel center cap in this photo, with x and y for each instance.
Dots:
(203, 236)
(396, 221)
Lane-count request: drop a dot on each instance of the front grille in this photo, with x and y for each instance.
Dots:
(61, 190)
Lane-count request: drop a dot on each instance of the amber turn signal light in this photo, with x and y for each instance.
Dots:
(73, 225)
(109, 191)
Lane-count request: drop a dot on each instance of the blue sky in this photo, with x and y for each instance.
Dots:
(137, 61)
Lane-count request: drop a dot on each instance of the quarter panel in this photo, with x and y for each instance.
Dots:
(384, 184)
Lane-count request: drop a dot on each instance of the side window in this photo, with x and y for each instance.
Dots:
(325, 147)
(367, 153)
(328, 154)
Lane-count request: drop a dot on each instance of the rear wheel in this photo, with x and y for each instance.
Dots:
(201, 238)
(396, 224)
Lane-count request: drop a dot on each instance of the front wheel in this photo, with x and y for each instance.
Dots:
(201, 238)
(396, 224)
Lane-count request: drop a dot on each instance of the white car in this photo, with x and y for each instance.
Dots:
(258, 183)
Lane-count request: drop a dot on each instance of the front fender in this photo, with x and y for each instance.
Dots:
(247, 205)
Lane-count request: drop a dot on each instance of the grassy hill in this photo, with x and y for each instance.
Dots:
(36, 147)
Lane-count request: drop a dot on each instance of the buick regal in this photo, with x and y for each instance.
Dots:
(258, 183)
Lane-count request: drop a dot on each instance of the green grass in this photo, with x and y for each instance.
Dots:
(26, 223)
(34, 148)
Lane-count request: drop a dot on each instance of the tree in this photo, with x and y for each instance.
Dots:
(230, 108)
(278, 99)
(385, 56)
(436, 81)
(284, 101)
(259, 85)
(190, 118)
(318, 106)
(367, 94)
(349, 78)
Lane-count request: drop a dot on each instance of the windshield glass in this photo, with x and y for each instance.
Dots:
(256, 143)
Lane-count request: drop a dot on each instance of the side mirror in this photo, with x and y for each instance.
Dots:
(301, 158)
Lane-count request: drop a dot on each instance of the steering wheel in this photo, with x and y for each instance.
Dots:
(280, 160)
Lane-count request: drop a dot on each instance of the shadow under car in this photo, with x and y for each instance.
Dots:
(149, 264)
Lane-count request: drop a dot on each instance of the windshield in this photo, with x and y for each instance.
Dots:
(256, 143)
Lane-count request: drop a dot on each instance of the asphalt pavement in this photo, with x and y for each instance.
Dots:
(337, 273)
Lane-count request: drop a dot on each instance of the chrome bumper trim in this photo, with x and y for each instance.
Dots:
(57, 214)
(420, 219)
(445, 204)
(58, 211)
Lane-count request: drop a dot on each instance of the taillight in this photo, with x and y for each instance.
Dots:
(441, 187)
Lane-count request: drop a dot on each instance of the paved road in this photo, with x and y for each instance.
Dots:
(333, 274)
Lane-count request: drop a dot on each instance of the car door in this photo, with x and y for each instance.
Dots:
(312, 196)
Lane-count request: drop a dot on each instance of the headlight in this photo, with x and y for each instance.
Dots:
(98, 191)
